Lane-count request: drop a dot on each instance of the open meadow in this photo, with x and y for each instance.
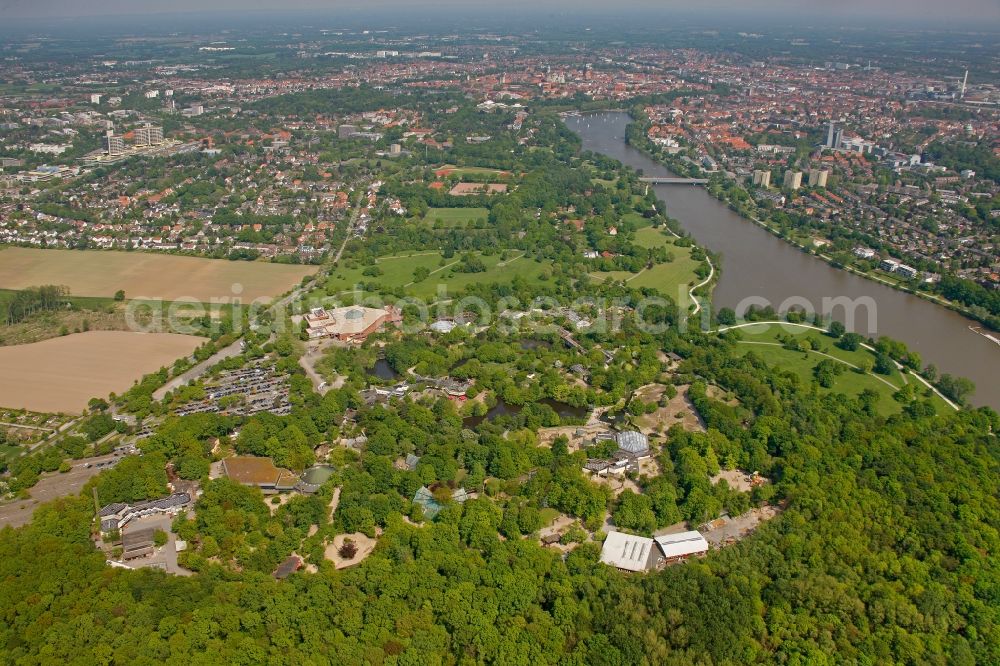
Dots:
(673, 278)
(455, 217)
(764, 341)
(144, 275)
(62, 374)
(398, 271)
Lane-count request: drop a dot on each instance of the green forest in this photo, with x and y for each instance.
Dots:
(885, 553)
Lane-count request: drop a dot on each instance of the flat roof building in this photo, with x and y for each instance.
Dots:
(259, 472)
(630, 552)
(681, 545)
(350, 324)
(116, 516)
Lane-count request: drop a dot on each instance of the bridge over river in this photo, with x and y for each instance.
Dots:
(675, 181)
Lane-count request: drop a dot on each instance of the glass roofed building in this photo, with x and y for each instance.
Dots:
(633, 443)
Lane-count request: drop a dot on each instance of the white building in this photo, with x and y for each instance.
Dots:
(630, 553)
(681, 545)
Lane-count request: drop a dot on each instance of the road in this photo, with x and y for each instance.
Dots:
(51, 486)
(197, 370)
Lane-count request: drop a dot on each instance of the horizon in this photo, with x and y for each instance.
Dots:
(980, 14)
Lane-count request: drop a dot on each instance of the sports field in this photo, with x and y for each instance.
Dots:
(62, 374)
(398, 271)
(145, 275)
(455, 217)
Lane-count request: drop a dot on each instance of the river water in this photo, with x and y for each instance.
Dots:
(758, 265)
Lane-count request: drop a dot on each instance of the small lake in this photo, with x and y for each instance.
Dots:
(382, 370)
(565, 411)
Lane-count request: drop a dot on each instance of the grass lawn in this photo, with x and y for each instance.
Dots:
(638, 220)
(673, 278)
(470, 170)
(455, 217)
(397, 271)
(548, 515)
(765, 344)
(647, 236)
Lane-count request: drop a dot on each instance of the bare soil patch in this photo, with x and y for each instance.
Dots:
(679, 409)
(62, 374)
(365, 545)
(724, 531)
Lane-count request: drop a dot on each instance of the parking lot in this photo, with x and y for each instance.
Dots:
(53, 485)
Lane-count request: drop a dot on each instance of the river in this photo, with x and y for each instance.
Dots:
(757, 264)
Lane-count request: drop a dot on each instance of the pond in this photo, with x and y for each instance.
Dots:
(565, 411)
(382, 370)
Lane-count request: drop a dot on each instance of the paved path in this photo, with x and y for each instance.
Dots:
(198, 370)
(723, 329)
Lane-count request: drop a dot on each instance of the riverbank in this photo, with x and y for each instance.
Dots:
(763, 270)
(903, 370)
(674, 166)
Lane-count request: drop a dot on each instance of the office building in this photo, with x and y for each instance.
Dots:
(831, 135)
(114, 143)
(148, 136)
(793, 179)
(817, 177)
(347, 131)
(762, 178)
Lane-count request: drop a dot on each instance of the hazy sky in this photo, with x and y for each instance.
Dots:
(984, 12)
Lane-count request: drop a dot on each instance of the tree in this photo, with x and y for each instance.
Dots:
(884, 364)
(634, 512)
(850, 341)
(956, 388)
(837, 329)
(120, 295)
(348, 550)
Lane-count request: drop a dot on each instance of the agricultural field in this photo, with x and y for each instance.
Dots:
(398, 271)
(62, 374)
(763, 341)
(145, 275)
(455, 217)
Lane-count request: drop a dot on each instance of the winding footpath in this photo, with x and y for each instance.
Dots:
(899, 366)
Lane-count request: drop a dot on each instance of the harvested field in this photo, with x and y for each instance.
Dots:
(144, 275)
(62, 374)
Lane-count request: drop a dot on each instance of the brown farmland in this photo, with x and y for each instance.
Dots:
(62, 374)
(144, 275)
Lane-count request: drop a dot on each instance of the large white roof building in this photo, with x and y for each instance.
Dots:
(630, 552)
(682, 544)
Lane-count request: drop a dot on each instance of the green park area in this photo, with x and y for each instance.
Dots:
(420, 273)
(672, 278)
(455, 217)
(770, 343)
(461, 171)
